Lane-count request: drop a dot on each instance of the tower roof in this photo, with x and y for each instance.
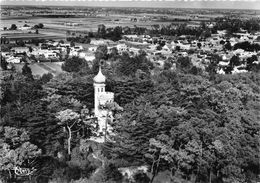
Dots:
(99, 78)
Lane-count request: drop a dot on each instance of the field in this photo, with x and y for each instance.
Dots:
(42, 68)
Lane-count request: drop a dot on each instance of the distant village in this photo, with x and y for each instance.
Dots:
(235, 54)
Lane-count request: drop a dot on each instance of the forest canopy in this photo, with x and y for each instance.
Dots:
(178, 124)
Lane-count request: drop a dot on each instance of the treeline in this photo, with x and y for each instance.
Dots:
(113, 34)
(247, 46)
(116, 33)
(236, 24)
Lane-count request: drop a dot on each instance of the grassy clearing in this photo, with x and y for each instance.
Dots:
(42, 68)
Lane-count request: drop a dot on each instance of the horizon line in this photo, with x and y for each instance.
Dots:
(145, 7)
(167, 4)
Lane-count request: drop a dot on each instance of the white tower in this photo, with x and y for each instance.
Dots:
(99, 88)
(101, 98)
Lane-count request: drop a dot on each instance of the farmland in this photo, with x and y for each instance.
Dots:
(57, 21)
(57, 27)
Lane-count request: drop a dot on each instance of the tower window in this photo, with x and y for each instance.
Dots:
(101, 89)
(98, 89)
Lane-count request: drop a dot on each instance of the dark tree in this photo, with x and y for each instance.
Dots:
(234, 61)
(199, 45)
(228, 46)
(228, 69)
(30, 49)
(114, 54)
(73, 64)
(13, 27)
(167, 65)
(101, 53)
(101, 30)
(184, 64)
(129, 65)
(20, 43)
(46, 78)
(222, 42)
(87, 40)
(27, 72)
(247, 46)
(159, 47)
(36, 26)
(40, 25)
(72, 44)
(3, 63)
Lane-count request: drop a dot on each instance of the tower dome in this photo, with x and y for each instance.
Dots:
(99, 78)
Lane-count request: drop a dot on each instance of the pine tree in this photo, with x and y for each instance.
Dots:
(3, 63)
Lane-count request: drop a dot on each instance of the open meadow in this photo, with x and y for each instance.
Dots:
(42, 68)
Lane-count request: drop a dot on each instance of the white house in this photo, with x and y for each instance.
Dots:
(62, 49)
(221, 63)
(184, 54)
(221, 33)
(156, 53)
(50, 55)
(88, 57)
(236, 70)
(166, 49)
(74, 53)
(5, 54)
(20, 49)
(14, 60)
(153, 47)
(220, 71)
(210, 26)
(133, 36)
(25, 28)
(181, 44)
(121, 48)
(77, 48)
(82, 54)
(64, 45)
(185, 46)
(134, 50)
(97, 42)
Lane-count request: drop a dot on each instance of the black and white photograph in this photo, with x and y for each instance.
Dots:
(130, 91)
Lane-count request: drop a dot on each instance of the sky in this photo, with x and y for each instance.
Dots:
(216, 4)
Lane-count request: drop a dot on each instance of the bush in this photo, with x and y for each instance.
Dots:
(40, 25)
(46, 78)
